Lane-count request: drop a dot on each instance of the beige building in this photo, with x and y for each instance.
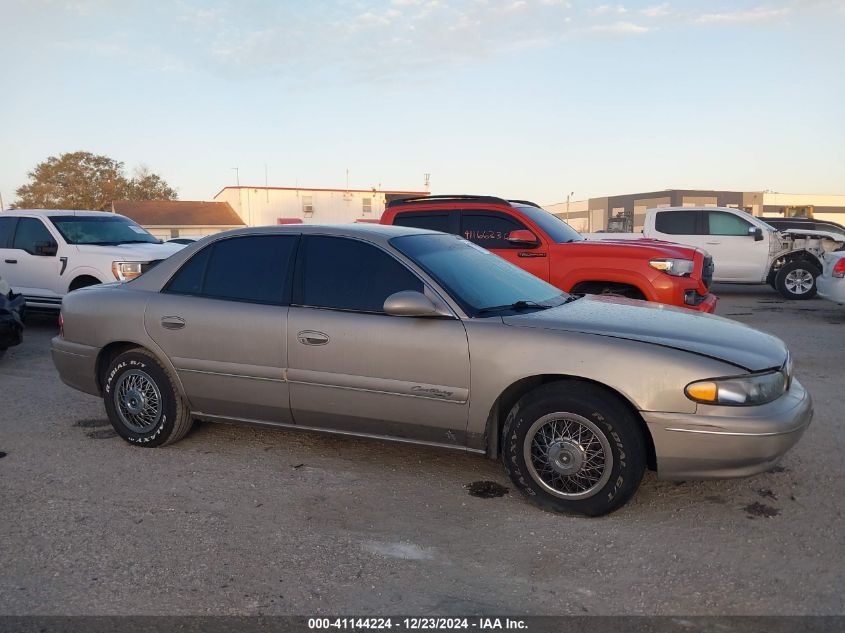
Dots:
(168, 219)
(261, 206)
(626, 212)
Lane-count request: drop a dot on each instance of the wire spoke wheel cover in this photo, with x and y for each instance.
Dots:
(137, 400)
(568, 455)
(798, 281)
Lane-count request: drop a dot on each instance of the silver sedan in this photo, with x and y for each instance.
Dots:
(415, 336)
(831, 283)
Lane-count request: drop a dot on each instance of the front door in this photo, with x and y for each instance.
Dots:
(222, 321)
(737, 256)
(490, 229)
(30, 262)
(354, 369)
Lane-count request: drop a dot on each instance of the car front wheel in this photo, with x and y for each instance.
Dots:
(142, 402)
(574, 447)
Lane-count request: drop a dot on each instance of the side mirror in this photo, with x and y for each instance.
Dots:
(757, 232)
(46, 249)
(523, 237)
(410, 303)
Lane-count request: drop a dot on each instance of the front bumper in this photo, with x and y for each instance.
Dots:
(76, 364)
(722, 442)
(705, 303)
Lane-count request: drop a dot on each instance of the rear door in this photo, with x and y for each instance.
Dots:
(353, 368)
(30, 261)
(490, 229)
(222, 321)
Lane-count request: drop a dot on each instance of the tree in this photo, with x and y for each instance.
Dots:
(82, 180)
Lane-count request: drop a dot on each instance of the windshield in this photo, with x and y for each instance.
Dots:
(103, 231)
(477, 279)
(558, 230)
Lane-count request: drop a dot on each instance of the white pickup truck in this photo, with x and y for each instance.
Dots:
(45, 254)
(744, 248)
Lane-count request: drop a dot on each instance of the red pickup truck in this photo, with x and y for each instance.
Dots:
(546, 246)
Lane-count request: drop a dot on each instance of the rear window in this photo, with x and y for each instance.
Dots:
(677, 222)
(431, 220)
(253, 269)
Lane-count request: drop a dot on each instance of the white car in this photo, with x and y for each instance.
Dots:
(744, 248)
(44, 254)
(831, 283)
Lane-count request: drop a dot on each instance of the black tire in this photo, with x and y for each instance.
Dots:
(142, 403)
(797, 279)
(603, 419)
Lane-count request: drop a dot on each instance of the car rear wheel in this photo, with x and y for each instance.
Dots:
(142, 402)
(797, 280)
(574, 447)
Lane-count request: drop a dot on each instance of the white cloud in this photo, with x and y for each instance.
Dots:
(606, 9)
(657, 11)
(757, 14)
(620, 28)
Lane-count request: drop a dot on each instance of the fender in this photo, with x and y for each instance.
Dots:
(78, 271)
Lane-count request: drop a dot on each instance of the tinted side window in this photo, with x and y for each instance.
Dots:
(432, 220)
(677, 222)
(7, 229)
(29, 233)
(726, 224)
(349, 275)
(188, 279)
(489, 229)
(254, 269)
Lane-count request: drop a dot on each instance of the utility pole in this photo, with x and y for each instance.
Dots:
(237, 176)
(2, 206)
(568, 196)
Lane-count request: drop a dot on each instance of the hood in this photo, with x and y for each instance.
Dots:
(132, 252)
(643, 246)
(831, 235)
(663, 325)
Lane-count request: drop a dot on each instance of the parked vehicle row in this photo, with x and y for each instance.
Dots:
(544, 245)
(745, 249)
(417, 336)
(45, 254)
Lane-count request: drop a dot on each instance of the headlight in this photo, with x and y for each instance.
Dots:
(745, 390)
(675, 267)
(124, 271)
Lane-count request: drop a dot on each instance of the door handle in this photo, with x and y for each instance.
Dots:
(312, 337)
(11, 261)
(172, 322)
(530, 254)
(714, 243)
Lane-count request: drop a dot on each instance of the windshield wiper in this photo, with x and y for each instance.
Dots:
(518, 305)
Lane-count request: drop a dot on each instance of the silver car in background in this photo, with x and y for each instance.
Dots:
(416, 336)
(831, 283)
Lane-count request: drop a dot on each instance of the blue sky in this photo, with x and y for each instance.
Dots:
(521, 98)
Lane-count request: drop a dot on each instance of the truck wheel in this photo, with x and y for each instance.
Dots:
(142, 402)
(573, 447)
(797, 280)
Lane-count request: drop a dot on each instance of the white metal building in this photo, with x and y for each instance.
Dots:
(261, 206)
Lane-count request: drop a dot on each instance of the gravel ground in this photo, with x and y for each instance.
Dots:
(236, 520)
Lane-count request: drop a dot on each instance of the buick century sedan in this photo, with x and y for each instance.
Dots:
(410, 335)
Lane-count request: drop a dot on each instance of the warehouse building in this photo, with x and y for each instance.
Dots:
(261, 206)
